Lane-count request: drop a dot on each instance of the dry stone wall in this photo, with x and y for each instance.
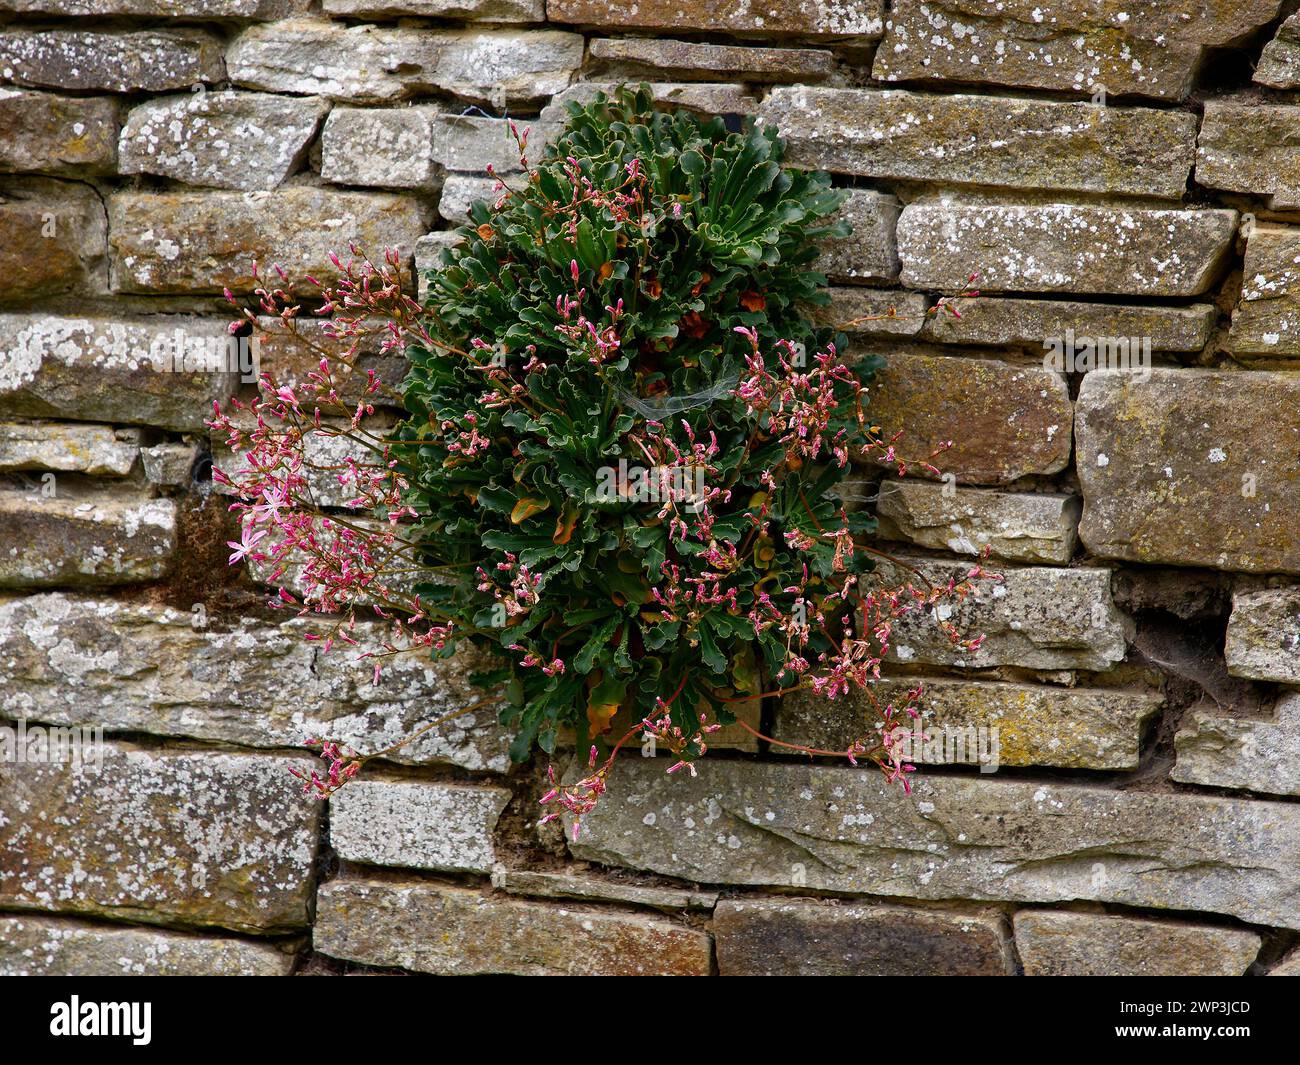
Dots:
(1120, 793)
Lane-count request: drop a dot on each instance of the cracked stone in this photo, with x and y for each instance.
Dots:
(73, 660)
(843, 829)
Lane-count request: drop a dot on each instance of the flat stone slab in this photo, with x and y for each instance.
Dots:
(435, 826)
(1249, 146)
(1132, 251)
(985, 723)
(379, 147)
(595, 889)
(1191, 467)
(999, 321)
(252, 9)
(56, 946)
(136, 667)
(692, 61)
(1263, 640)
(800, 18)
(469, 10)
(870, 253)
(201, 838)
(197, 242)
(776, 937)
(1005, 420)
(1035, 617)
(46, 133)
(843, 829)
(98, 450)
(1061, 943)
(158, 370)
(86, 536)
(110, 61)
(52, 239)
(364, 63)
(1266, 320)
(1102, 47)
(985, 140)
(1279, 63)
(226, 140)
(1253, 755)
(1017, 526)
(434, 928)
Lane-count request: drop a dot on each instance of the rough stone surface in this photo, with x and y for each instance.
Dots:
(95, 449)
(367, 63)
(428, 256)
(156, 370)
(1279, 63)
(773, 937)
(469, 10)
(74, 135)
(471, 143)
(1064, 248)
(1035, 617)
(592, 889)
(1191, 467)
(704, 100)
(507, 66)
(253, 9)
(204, 242)
(1258, 756)
(690, 61)
(869, 254)
(804, 18)
(228, 140)
(380, 148)
(986, 724)
(1152, 51)
(1288, 966)
(1250, 147)
(110, 61)
(1006, 421)
(56, 946)
(1060, 943)
(998, 321)
(459, 191)
(872, 312)
(83, 536)
(52, 239)
(843, 829)
(202, 838)
(1266, 322)
(168, 465)
(442, 827)
(358, 63)
(1263, 641)
(432, 928)
(71, 660)
(1021, 527)
(985, 140)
